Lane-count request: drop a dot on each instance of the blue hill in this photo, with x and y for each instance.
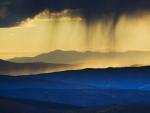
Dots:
(89, 88)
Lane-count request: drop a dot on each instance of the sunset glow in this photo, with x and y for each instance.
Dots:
(49, 31)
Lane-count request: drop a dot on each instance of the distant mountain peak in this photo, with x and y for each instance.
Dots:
(90, 59)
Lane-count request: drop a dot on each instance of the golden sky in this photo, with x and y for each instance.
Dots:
(51, 31)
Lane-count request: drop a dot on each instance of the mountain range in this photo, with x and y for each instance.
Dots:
(11, 68)
(90, 59)
(72, 60)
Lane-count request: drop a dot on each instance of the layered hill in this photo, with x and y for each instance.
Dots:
(90, 59)
(11, 68)
(112, 90)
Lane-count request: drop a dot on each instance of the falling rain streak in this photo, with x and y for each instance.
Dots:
(104, 34)
(69, 26)
(70, 30)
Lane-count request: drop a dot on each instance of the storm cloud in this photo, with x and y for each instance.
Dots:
(14, 11)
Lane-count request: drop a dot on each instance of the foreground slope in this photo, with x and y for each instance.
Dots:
(13, 105)
(120, 90)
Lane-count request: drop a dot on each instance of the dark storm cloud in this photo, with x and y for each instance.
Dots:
(18, 10)
(14, 11)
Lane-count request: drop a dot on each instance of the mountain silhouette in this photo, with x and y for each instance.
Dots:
(11, 68)
(110, 59)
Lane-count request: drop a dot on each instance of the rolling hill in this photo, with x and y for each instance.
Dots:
(112, 90)
(11, 68)
(138, 77)
(9, 105)
(90, 59)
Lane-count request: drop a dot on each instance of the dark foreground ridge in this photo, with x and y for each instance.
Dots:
(9, 105)
(119, 90)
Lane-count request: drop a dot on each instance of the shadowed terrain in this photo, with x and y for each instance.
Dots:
(9, 105)
(112, 90)
(10, 68)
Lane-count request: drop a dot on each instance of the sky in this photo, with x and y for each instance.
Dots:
(32, 27)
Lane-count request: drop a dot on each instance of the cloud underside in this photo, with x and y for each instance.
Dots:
(13, 12)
